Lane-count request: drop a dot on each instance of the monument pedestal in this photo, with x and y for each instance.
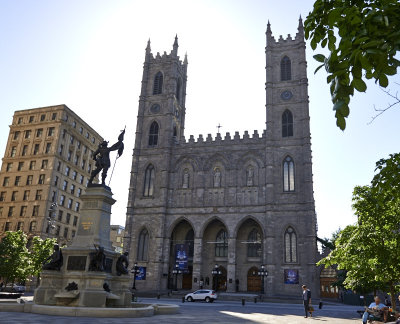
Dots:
(93, 232)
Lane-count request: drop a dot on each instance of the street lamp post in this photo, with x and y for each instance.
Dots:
(135, 271)
(262, 272)
(175, 271)
(216, 272)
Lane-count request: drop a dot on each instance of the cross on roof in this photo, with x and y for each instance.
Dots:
(219, 126)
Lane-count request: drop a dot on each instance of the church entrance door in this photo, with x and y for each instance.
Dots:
(221, 280)
(187, 279)
(253, 280)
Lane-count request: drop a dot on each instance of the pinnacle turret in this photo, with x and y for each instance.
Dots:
(175, 46)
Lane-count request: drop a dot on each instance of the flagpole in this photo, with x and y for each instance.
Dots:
(115, 162)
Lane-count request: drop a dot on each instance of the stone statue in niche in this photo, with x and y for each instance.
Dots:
(186, 179)
(97, 259)
(250, 176)
(217, 178)
(56, 260)
(122, 264)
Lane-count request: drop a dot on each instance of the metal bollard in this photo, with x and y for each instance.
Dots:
(255, 300)
(243, 301)
(183, 299)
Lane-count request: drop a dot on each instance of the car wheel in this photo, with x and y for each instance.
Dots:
(208, 299)
(190, 299)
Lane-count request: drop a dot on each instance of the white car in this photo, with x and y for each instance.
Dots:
(202, 294)
(14, 288)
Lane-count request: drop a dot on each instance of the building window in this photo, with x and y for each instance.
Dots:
(149, 181)
(62, 200)
(38, 195)
(48, 148)
(221, 247)
(74, 124)
(287, 124)
(60, 151)
(288, 174)
(153, 134)
(28, 134)
(70, 202)
(72, 189)
(24, 150)
(81, 178)
(29, 179)
(56, 180)
(65, 185)
(16, 135)
(20, 166)
(83, 164)
(45, 164)
(67, 169)
(35, 211)
(9, 167)
(66, 232)
(71, 139)
(6, 181)
(73, 233)
(14, 195)
(64, 132)
(39, 132)
(158, 83)
(75, 222)
(143, 246)
(254, 243)
(22, 212)
(74, 175)
(60, 215)
(26, 195)
(286, 69)
(10, 211)
(58, 229)
(42, 117)
(1, 211)
(77, 206)
(20, 226)
(50, 132)
(53, 196)
(41, 179)
(32, 165)
(13, 151)
(32, 226)
(31, 119)
(17, 180)
(54, 116)
(36, 149)
(68, 218)
(69, 155)
(290, 245)
(7, 227)
(2, 196)
(58, 166)
(79, 192)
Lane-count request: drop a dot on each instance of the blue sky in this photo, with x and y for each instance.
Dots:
(89, 56)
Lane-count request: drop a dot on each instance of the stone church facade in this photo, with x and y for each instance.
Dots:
(238, 202)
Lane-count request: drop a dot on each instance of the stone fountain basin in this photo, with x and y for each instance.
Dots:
(136, 310)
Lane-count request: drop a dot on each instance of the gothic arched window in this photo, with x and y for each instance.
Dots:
(178, 89)
(153, 134)
(286, 69)
(143, 245)
(254, 243)
(290, 245)
(287, 123)
(221, 247)
(158, 83)
(288, 174)
(149, 181)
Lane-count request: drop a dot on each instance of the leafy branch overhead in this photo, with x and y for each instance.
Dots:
(363, 37)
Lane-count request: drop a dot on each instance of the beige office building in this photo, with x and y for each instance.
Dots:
(48, 159)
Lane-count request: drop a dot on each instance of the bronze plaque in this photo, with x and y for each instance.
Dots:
(76, 263)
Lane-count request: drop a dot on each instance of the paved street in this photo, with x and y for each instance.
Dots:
(218, 312)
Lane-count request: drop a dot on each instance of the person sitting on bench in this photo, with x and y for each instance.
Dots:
(376, 310)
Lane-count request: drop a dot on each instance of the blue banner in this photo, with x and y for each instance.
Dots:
(141, 275)
(291, 277)
(181, 256)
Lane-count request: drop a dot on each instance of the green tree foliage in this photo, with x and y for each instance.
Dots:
(369, 250)
(14, 257)
(369, 38)
(40, 251)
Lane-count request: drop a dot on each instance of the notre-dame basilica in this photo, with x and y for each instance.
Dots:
(231, 203)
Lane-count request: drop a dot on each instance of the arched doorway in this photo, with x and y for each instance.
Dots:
(181, 256)
(220, 284)
(253, 280)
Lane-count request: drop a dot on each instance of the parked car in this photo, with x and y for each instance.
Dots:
(202, 294)
(15, 289)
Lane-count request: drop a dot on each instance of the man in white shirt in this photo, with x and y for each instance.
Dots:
(375, 309)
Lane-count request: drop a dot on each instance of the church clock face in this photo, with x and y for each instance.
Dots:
(155, 108)
(286, 95)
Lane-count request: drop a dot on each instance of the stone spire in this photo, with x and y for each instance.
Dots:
(148, 50)
(185, 61)
(300, 28)
(175, 46)
(269, 34)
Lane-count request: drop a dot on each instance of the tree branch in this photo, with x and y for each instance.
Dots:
(380, 111)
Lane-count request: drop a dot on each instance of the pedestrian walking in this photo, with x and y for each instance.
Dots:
(306, 300)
